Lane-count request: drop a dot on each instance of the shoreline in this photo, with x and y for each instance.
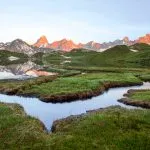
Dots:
(128, 101)
(72, 96)
(59, 122)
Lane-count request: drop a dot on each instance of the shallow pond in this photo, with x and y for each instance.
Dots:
(48, 112)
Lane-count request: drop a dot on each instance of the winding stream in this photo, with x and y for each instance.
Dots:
(48, 112)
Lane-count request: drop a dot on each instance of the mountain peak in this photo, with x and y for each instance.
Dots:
(144, 39)
(41, 42)
(64, 40)
(92, 45)
(64, 44)
(126, 39)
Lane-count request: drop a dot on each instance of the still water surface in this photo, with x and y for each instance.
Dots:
(48, 112)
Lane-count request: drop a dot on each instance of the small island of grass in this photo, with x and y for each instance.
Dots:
(139, 98)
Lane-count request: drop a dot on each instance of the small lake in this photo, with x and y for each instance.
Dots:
(49, 112)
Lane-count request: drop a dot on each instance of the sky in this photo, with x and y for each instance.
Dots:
(79, 20)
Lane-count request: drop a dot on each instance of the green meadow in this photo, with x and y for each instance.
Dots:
(81, 73)
(112, 128)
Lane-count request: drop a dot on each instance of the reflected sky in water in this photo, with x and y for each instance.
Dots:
(48, 112)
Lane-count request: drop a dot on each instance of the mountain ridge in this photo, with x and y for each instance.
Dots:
(68, 45)
(42, 45)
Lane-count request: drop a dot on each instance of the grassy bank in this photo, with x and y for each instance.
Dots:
(112, 128)
(18, 86)
(71, 88)
(137, 98)
(19, 131)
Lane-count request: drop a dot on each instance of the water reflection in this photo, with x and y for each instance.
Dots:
(48, 112)
(17, 71)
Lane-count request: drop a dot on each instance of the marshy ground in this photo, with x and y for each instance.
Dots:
(112, 128)
(86, 74)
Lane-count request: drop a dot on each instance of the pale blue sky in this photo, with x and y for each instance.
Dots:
(79, 20)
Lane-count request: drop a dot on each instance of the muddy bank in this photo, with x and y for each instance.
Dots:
(71, 96)
(128, 101)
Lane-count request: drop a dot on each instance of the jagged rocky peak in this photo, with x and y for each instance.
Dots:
(64, 44)
(144, 39)
(42, 42)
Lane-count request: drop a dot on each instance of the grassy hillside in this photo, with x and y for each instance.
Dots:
(139, 59)
(140, 46)
(118, 56)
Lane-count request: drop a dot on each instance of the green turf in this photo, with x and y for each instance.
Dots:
(18, 131)
(140, 95)
(18, 86)
(110, 129)
(81, 83)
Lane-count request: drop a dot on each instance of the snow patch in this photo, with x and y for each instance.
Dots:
(12, 58)
(66, 61)
(66, 57)
(133, 50)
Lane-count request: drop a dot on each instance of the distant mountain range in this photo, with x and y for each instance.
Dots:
(42, 45)
(68, 45)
